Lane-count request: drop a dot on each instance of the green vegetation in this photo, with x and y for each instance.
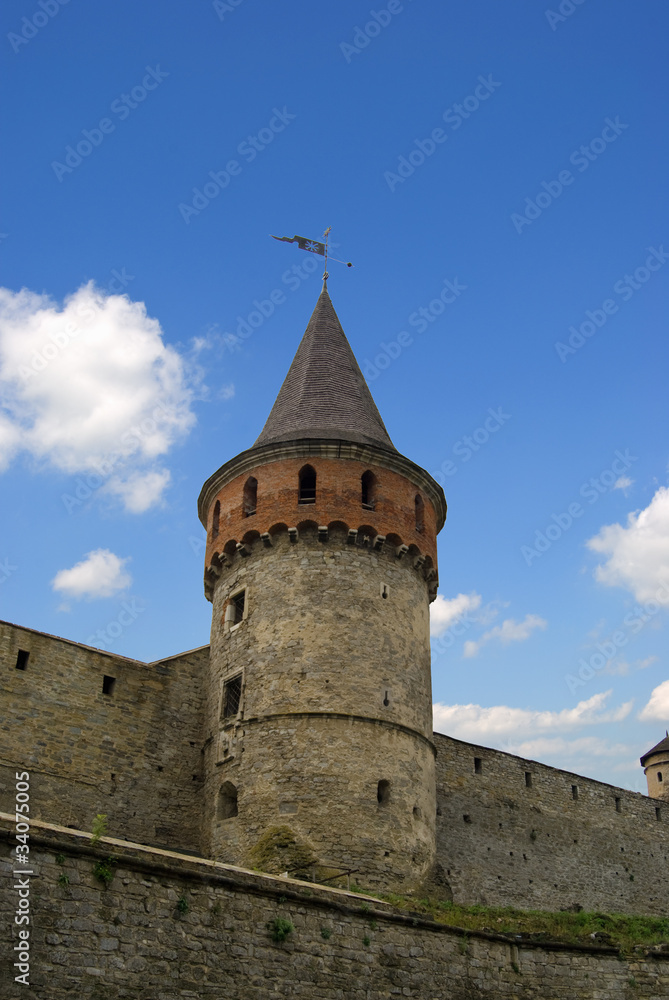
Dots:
(279, 850)
(60, 859)
(104, 871)
(63, 879)
(99, 828)
(326, 933)
(616, 930)
(182, 905)
(366, 941)
(280, 929)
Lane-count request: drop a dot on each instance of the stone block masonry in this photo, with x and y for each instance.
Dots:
(513, 832)
(133, 753)
(169, 927)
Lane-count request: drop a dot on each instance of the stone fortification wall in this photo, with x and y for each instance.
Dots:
(335, 698)
(169, 927)
(514, 832)
(134, 754)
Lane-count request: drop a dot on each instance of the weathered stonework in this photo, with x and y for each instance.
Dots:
(169, 927)
(335, 699)
(561, 841)
(134, 754)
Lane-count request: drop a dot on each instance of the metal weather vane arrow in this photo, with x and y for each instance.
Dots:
(314, 246)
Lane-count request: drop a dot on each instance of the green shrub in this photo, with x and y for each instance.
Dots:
(280, 929)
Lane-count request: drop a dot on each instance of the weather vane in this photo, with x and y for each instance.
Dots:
(313, 246)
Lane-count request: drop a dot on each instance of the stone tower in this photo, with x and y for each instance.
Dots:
(656, 768)
(321, 563)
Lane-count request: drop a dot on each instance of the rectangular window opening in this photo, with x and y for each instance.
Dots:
(574, 792)
(618, 805)
(22, 659)
(658, 814)
(232, 693)
(528, 779)
(478, 765)
(238, 603)
(108, 684)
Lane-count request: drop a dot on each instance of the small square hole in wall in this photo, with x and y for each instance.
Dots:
(478, 765)
(22, 659)
(108, 684)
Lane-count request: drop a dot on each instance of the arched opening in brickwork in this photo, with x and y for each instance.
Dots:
(250, 501)
(307, 485)
(420, 512)
(227, 801)
(383, 792)
(216, 519)
(278, 528)
(368, 490)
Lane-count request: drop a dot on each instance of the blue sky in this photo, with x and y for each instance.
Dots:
(511, 156)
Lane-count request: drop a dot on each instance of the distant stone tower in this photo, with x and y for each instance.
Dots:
(656, 768)
(321, 563)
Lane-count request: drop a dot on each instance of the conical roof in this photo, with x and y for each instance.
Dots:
(324, 394)
(661, 747)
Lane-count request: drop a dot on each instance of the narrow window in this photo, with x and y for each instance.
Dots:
(250, 496)
(658, 814)
(383, 793)
(420, 508)
(232, 693)
(618, 805)
(108, 684)
(227, 801)
(368, 484)
(478, 765)
(528, 779)
(574, 792)
(659, 775)
(216, 519)
(307, 485)
(22, 661)
(385, 591)
(235, 609)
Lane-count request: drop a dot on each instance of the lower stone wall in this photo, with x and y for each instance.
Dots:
(168, 927)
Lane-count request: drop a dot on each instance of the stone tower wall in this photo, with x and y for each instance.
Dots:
(336, 697)
(657, 765)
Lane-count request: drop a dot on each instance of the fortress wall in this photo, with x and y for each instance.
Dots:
(134, 754)
(503, 843)
(170, 927)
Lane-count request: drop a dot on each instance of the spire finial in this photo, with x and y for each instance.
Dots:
(326, 235)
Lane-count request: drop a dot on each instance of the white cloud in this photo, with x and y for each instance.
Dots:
(545, 747)
(638, 555)
(475, 723)
(227, 391)
(140, 490)
(90, 387)
(444, 612)
(508, 631)
(658, 705)
(100, 574)
(624, 484)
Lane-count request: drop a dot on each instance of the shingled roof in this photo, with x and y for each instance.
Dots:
(324, 394)
(661, 747)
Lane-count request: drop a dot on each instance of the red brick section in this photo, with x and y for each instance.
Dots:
(338, 498)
